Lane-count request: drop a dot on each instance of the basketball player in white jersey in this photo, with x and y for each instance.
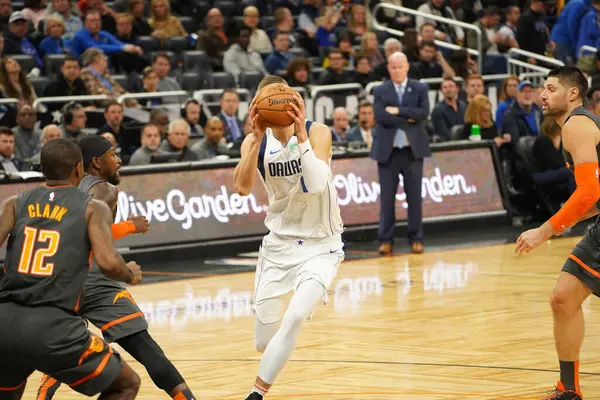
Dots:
(304, 247)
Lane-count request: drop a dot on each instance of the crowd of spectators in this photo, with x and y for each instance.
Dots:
(65, 48)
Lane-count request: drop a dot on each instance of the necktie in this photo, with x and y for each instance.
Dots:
(400, 132)
(234, 129)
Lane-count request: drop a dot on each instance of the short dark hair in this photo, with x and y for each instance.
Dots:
(280, 32)
(162, 54)
(69, 58)
(228, 90)
(113, 103)
(572, 77)
(334, 50)
(364, 103)
(58, 159)
(361, 56)
(427, 43)
(90, 12)
(5, 130)
(450, 80)
(269, 80)
(426, 24)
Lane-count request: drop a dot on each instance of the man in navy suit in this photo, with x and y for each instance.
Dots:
(400, 143)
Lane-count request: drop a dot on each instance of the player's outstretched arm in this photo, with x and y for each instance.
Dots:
(109, 260)
(580, 138)
(7, 217)
(245, 172)
(578, 141)
(314, 152)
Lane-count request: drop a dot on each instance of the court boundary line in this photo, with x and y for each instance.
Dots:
(403, 363)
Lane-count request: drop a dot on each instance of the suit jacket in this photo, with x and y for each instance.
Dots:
(412, 119)
(354, 135)
(227, 131)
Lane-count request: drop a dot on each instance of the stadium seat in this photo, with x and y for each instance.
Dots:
(250, 80)
(17, 5)
(191, 81)
(176, 44)
(188, 24)
(316, 73)
(228, 8)
(149, 44)
(298, 52)
(27, 62)
(120, 79)
(316, 61)
(266, 22)
(196, 60)
(39, 85)
(221, 80)
(457, 132)
(53, 63)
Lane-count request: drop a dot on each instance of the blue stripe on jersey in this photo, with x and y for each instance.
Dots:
(261, 156)
(304, 189)
(308, 125)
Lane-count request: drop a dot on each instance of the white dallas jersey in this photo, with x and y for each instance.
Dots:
(292, 211)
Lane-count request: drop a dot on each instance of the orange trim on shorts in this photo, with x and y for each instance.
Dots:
(122, 319)
(584, 265)
(94, 374)
(179, 396)
(10, 389)
(48, 382)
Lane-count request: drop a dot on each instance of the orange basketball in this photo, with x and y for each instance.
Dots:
(273, 102)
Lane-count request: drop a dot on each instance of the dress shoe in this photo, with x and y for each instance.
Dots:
(417, 248)
(385, 249)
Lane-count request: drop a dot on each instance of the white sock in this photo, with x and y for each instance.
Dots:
(280, 348)
(260, 390)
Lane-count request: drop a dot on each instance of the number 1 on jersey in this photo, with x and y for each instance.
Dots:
(33, 262)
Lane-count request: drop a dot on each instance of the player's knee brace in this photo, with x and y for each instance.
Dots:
(148, 353)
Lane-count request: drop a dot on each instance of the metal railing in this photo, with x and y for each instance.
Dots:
(583, 49)
(152, 95)
(514, 66)
(66, 99)
(537, 78)
(440, 43)
(10, 101)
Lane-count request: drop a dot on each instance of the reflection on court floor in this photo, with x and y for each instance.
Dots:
(468, 323)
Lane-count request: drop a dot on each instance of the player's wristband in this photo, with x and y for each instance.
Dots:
(314, 171)
(582, 199)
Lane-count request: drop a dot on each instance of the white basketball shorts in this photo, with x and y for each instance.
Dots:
(283, 264)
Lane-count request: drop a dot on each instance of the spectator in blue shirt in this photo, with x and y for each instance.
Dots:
(507, 97)
(280, 57)
(92, 35)
(565, 32)
(589, 34)
(17, 42)
(53, 42)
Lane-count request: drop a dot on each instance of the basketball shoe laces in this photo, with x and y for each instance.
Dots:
(559, 393)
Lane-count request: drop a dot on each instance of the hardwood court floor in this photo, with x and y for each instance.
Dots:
(462, 324)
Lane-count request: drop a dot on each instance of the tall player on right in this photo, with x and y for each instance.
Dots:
(562, 99)
(304, 246)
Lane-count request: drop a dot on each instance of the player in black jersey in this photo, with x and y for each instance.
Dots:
(562, 99)
(106, 304)
(51, 230)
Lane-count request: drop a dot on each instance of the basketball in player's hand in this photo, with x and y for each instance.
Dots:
(272, 103)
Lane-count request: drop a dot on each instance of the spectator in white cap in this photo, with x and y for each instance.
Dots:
(16, 40)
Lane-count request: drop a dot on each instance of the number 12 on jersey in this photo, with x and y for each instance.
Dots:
(34, 262)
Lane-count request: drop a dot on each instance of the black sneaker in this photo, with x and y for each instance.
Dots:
(254, 396)
(560, 393)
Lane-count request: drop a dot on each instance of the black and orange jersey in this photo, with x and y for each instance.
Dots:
(48, 250)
